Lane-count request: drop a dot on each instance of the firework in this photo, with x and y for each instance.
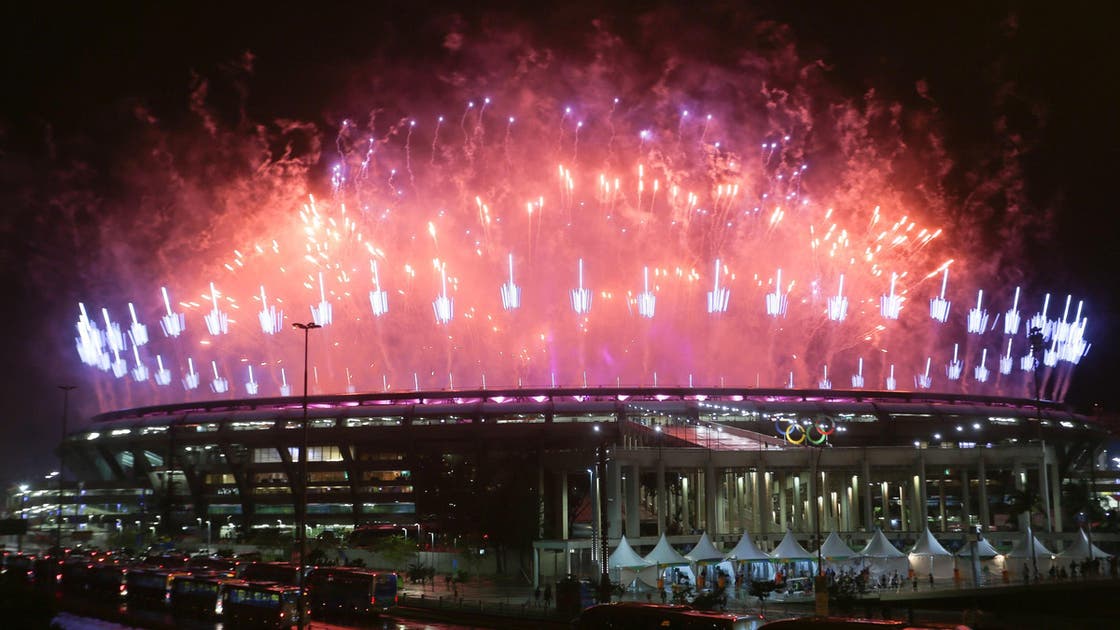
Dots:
(684, 205)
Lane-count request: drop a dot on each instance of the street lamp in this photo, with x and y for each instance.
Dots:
(301, 510)
(66, 389)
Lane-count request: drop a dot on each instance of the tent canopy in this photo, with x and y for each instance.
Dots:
(833, 548)
(704, 551)
(1022, 548)
(927, 545)
(624, 557)
(880, 547)
(746, 550)
(984, 549)
(664, 555)
(1081, 549)
(790, 549)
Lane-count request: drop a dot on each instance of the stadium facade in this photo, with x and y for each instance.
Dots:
(519, 466)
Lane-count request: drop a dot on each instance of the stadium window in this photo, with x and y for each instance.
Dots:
(266, 456)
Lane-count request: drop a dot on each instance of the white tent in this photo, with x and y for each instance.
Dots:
(757, 562)
(834, 549)
(663, 556)
(1021, 555)
(789, 551)
(991, 561)
(705, 555)
(882, 557)
(1082, 550)
(984, 550)
(929, 557)
(628, 565)
(704, 551)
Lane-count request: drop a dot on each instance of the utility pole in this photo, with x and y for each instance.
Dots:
(66, 389)
(301, 509)
(605, 578)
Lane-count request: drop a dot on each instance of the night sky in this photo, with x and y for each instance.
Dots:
(89, 91)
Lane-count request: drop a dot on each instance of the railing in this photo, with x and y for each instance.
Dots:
(503, 607)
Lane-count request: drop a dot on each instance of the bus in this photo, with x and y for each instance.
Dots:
(200, 596)
(248, 605)
(107, 582)
(150, 588)
(278, 572)
(342, 592)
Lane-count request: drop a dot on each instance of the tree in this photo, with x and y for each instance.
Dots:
(1080, 499)
(1026, 501)
(396, 550)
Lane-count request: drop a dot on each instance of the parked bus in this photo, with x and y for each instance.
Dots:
(228, 566)
(150, 588)
(108, 583)
(278, 572)
(199, 596)
(248, 605)
(342, 592)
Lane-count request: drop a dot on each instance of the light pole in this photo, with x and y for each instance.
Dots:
(66, 389)
(1036, 340)
(301, 509)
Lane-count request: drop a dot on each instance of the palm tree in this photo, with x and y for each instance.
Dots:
(1027, 501)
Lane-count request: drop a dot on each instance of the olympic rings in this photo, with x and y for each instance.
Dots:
(829, 422)
(821, 440)
(800, 440)
(797, 433)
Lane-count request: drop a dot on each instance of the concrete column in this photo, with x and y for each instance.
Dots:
(798, 505)
(686, 494)
(846, 497)
(711, 492)
(919, 519)
(740, 502)
(966, 499)
(903, 521)
(783, 501)
(982, 491)
(1056, 491)
(662, 497)
(614, 499)
(562, 494)
(536, 567)
(541, 498)
(941, 517)
(633, 503)
(764, 515)
(1044, 488)
(814, 496)
(824, 502)
(885, 495)
(756, 492)
(921, 496)
(865, 481)
(1018, 474)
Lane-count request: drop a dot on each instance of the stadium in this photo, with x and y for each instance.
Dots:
(506, 469)
(542, 321)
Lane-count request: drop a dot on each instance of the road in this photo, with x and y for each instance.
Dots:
(70, 621)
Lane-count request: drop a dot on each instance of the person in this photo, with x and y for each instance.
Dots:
(663, 595)
(931, 580)
(537, 596)
(547, 595)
